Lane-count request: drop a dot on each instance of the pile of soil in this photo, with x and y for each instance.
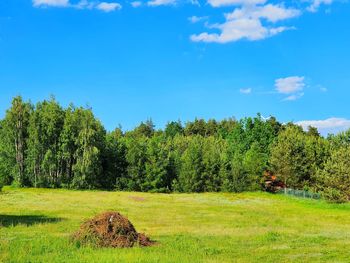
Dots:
(110, 229)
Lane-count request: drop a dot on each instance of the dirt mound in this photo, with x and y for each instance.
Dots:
(110, 229)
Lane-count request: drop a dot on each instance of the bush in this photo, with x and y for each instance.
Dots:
(334, 196)
(1, 183)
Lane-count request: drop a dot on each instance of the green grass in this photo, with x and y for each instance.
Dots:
(249, 227)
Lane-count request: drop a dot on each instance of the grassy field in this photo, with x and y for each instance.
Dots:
(249, 227)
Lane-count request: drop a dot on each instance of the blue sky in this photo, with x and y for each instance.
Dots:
(180, 59)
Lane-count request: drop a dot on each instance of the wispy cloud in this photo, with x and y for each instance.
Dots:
(246, 91)
(315, 5)
(294, 97)
(221, 3)
(108, 7)
(55, 3)
(196, 19)
(136, 4)
(83, 4)
(161, 2)
(250, 20)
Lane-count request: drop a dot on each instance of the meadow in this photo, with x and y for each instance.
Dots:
(36, 225)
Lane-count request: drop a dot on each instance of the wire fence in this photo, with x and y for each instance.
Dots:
(300, 193)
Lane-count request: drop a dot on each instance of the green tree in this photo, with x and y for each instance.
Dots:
(312, 131)
(289, 157)
(90, 143)
(339, 140)
(144, 129)
(45, 127)
(211, 128)
(237, 141)
(177, 147)
(254, 163)
(68, 143)
(8, 166)
(114, 161)
(157, 177)
(136, 158)
(226, 126)
(173, 128)
(235, 178)
(318, 151)
(334, 179)
(197, 127)
(212, 154)
(191, 175)
(14, 133)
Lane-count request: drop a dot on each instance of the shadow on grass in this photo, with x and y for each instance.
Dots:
(28, 220)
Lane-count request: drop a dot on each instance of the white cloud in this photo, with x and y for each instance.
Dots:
(108, 7)
(196, 19)
(161, 2)
(272, 13)
(250, 29)
(247, 23)
(253, 20)
(54, 3)
(331, 125)
(315, 5)
(83, 4)
(250, 19)
(246, 91)
(136, 4)
(289, 85)
(220, 3)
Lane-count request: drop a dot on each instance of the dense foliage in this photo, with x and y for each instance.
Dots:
(48, 146)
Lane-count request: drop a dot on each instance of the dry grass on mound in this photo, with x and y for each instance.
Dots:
(110, 229)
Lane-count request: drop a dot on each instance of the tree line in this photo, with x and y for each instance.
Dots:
(46, 145)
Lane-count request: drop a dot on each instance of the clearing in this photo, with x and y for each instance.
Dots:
(36, 226)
